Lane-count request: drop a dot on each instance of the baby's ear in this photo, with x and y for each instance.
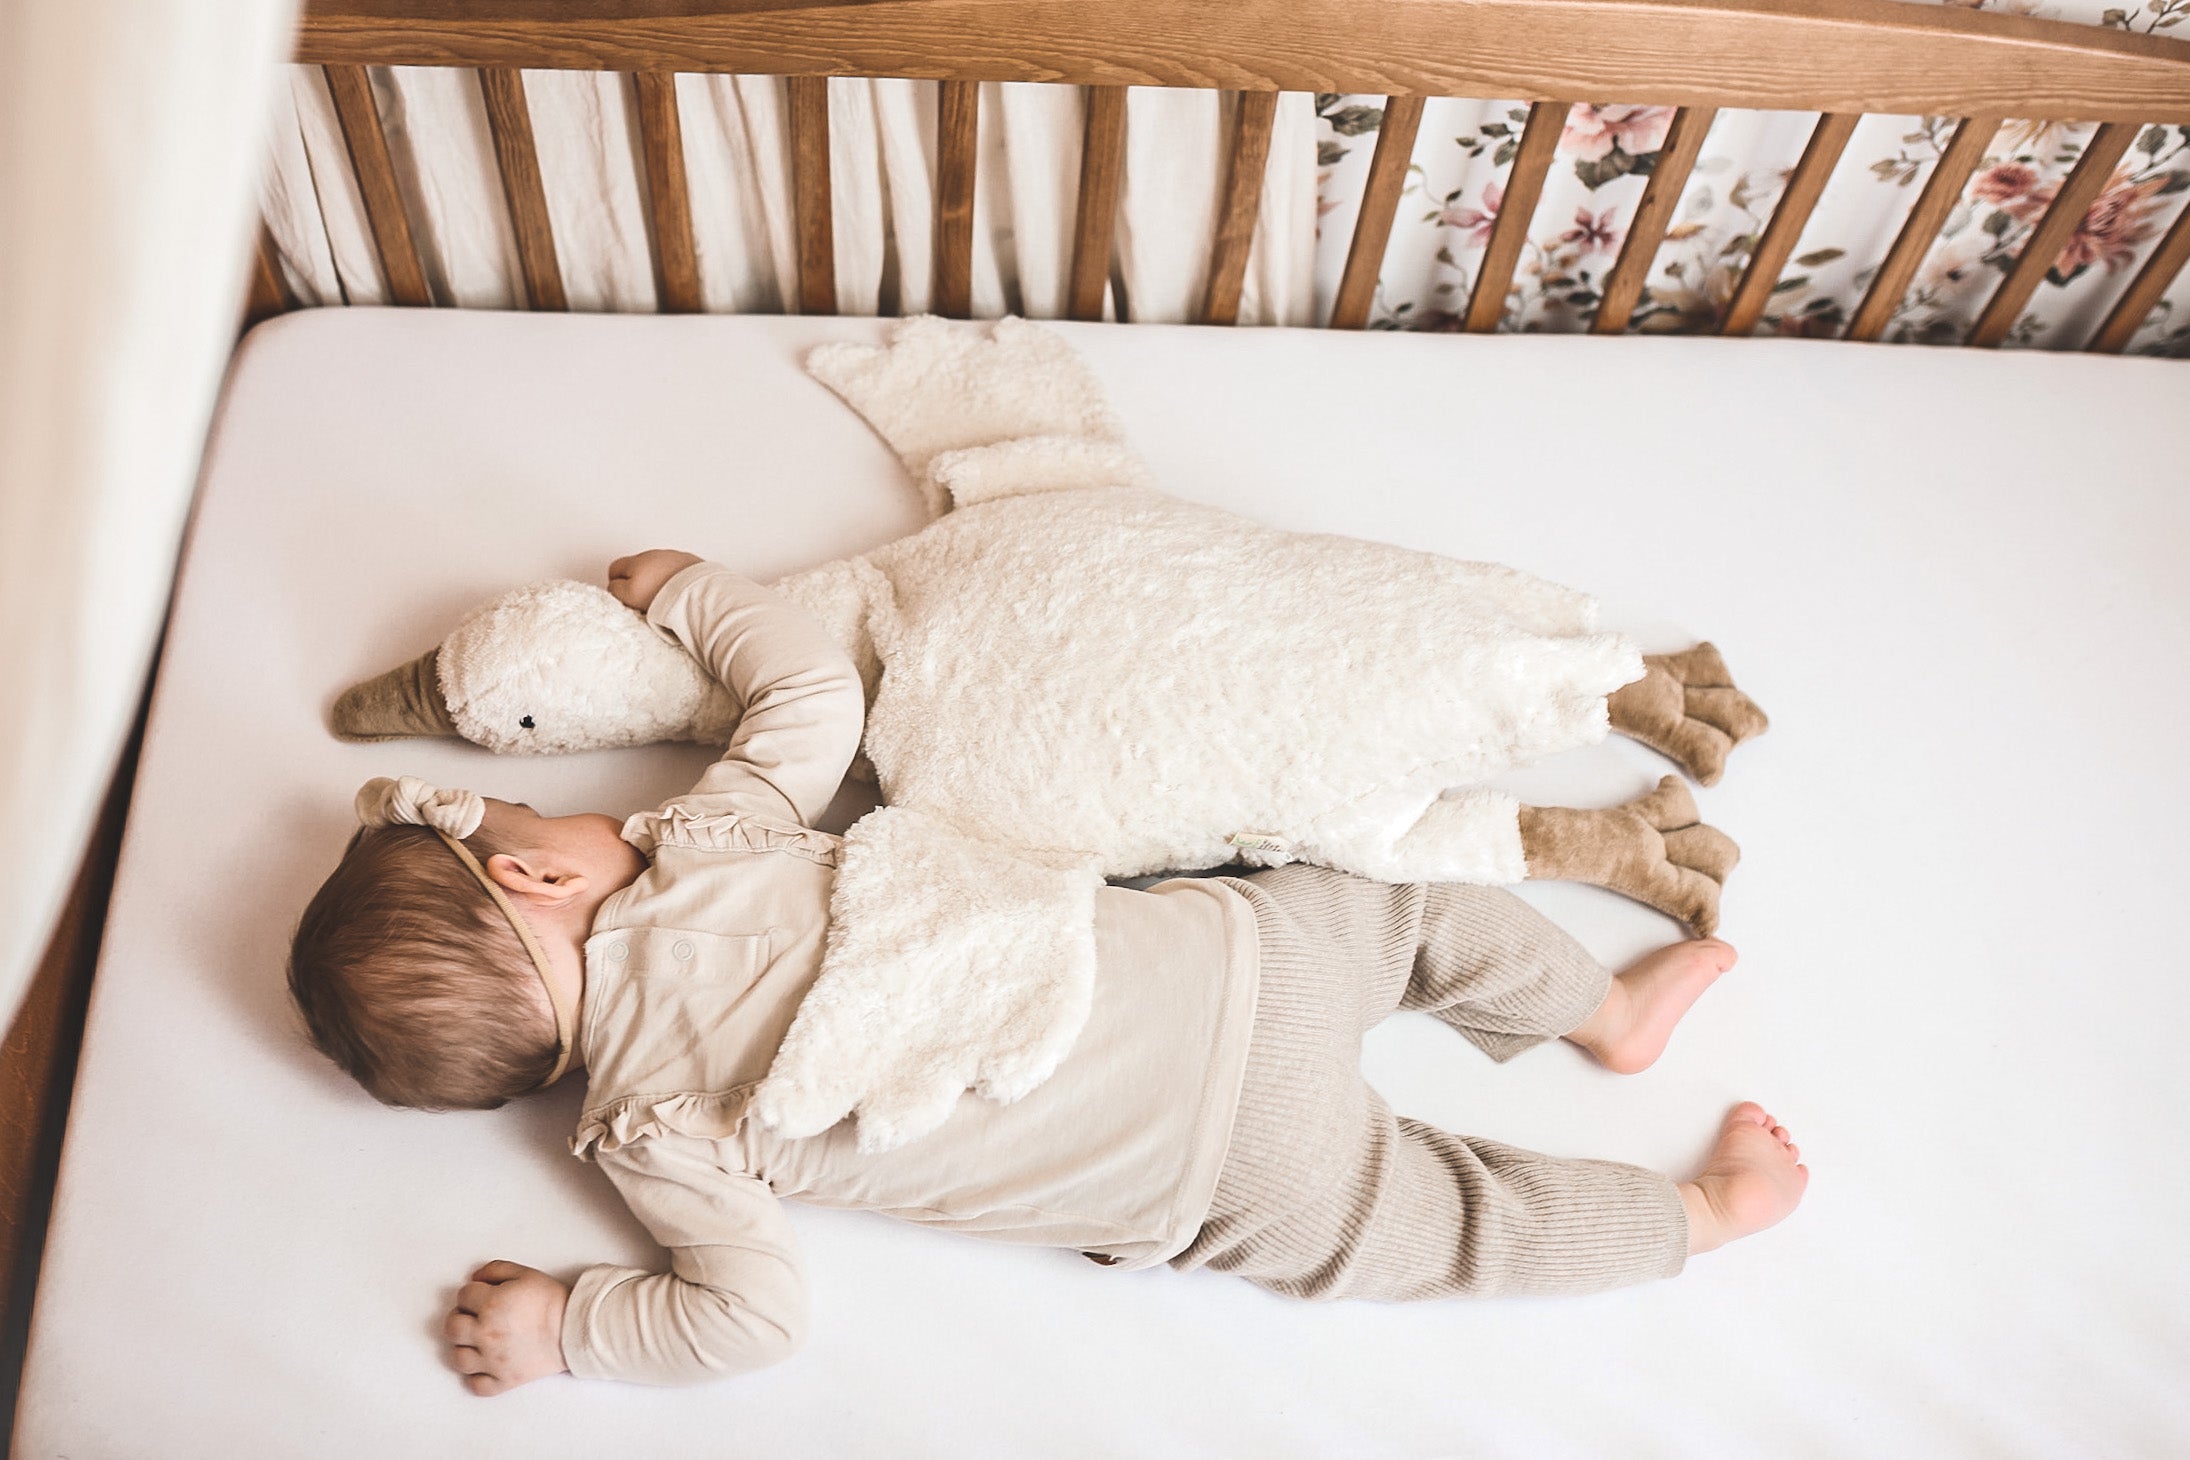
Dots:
(529, 877)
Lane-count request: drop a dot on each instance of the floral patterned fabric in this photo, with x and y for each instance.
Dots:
(1464, 151)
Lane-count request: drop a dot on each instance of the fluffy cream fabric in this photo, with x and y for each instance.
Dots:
(1077, 663)
(940, 387)
(611, 680)
(953, 964)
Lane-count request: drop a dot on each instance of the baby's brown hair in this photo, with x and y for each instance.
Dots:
(412, 980)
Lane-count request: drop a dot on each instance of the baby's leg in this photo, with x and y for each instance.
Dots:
(1324, 1193)
(1393, 1209)
(1507, 977)
(1498, 971)
(1478, 958)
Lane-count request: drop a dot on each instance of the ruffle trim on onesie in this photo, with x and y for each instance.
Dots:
(677, 825)
(709, 1114)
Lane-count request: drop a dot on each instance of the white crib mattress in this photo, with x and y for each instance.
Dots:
(1959, 581)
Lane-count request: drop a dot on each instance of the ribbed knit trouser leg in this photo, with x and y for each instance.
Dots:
(1325, 1193)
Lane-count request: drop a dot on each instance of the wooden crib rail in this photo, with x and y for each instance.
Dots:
(1809, 55)
(1841, 58)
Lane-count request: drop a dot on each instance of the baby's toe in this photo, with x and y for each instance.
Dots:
(1748, 1112)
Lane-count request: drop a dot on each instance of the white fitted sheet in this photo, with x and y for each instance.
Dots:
(1962, 976)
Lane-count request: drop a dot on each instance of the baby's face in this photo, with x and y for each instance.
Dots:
(587, 842)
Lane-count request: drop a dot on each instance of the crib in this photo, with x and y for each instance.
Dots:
(1844, 62)
(1918, 615)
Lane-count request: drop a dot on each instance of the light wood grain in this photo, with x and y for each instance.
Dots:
(1102, 175)
(2052, 234)
(1808, 55)
(2127, 316)
(813, 220)
(509, 120)
(1379, 201)
(668, 195)
(1524, 188)
(957, 138)
(352, 92)
(1942, 190)
(1238, 206)
(1828, 139)
(1646, 230)
(268, 296)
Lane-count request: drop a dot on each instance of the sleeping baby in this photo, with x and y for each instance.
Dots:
(1211, 1112)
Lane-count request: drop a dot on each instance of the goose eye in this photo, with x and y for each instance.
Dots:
(526, 722)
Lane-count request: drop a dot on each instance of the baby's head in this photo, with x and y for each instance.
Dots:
(415, 971)
(412, 980)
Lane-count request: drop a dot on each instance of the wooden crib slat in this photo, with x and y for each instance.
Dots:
(1524, 187)
(2085, 183)
(2127, 316)
(811, 204)
(352, 92)
(957, 136)
(510, 122)
(1102, 172)
(1827, 141)
(1239, 207)
(1624, 285)
(668, 196)
(1379, 201)
(268, 296)
(1942, 190)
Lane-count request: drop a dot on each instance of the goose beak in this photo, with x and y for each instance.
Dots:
(405, 701)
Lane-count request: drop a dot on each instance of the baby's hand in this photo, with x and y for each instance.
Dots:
(506, 1328)
(636, 579)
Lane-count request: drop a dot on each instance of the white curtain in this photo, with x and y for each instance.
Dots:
(131, 146)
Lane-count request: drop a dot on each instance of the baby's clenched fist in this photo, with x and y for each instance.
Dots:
(636, 579)
(506, 1328)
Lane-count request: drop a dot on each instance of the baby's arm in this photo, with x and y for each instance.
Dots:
(734, 1298)
(732, 1301)
(803, 707)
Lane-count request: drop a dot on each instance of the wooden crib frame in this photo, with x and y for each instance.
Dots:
(1842, 58)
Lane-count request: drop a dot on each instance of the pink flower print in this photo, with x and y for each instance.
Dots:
(1593, 131)
(2117, 223)
(1595, 235)
(2031, 206)
(2004, 182)
(1476, 223)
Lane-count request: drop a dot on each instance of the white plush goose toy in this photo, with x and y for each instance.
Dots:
(1080, 664)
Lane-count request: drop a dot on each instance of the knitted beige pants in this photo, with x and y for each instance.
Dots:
(1325, 1194)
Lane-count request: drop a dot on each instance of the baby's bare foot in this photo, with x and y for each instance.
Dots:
(1629, 1031)
(1754, 1178)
